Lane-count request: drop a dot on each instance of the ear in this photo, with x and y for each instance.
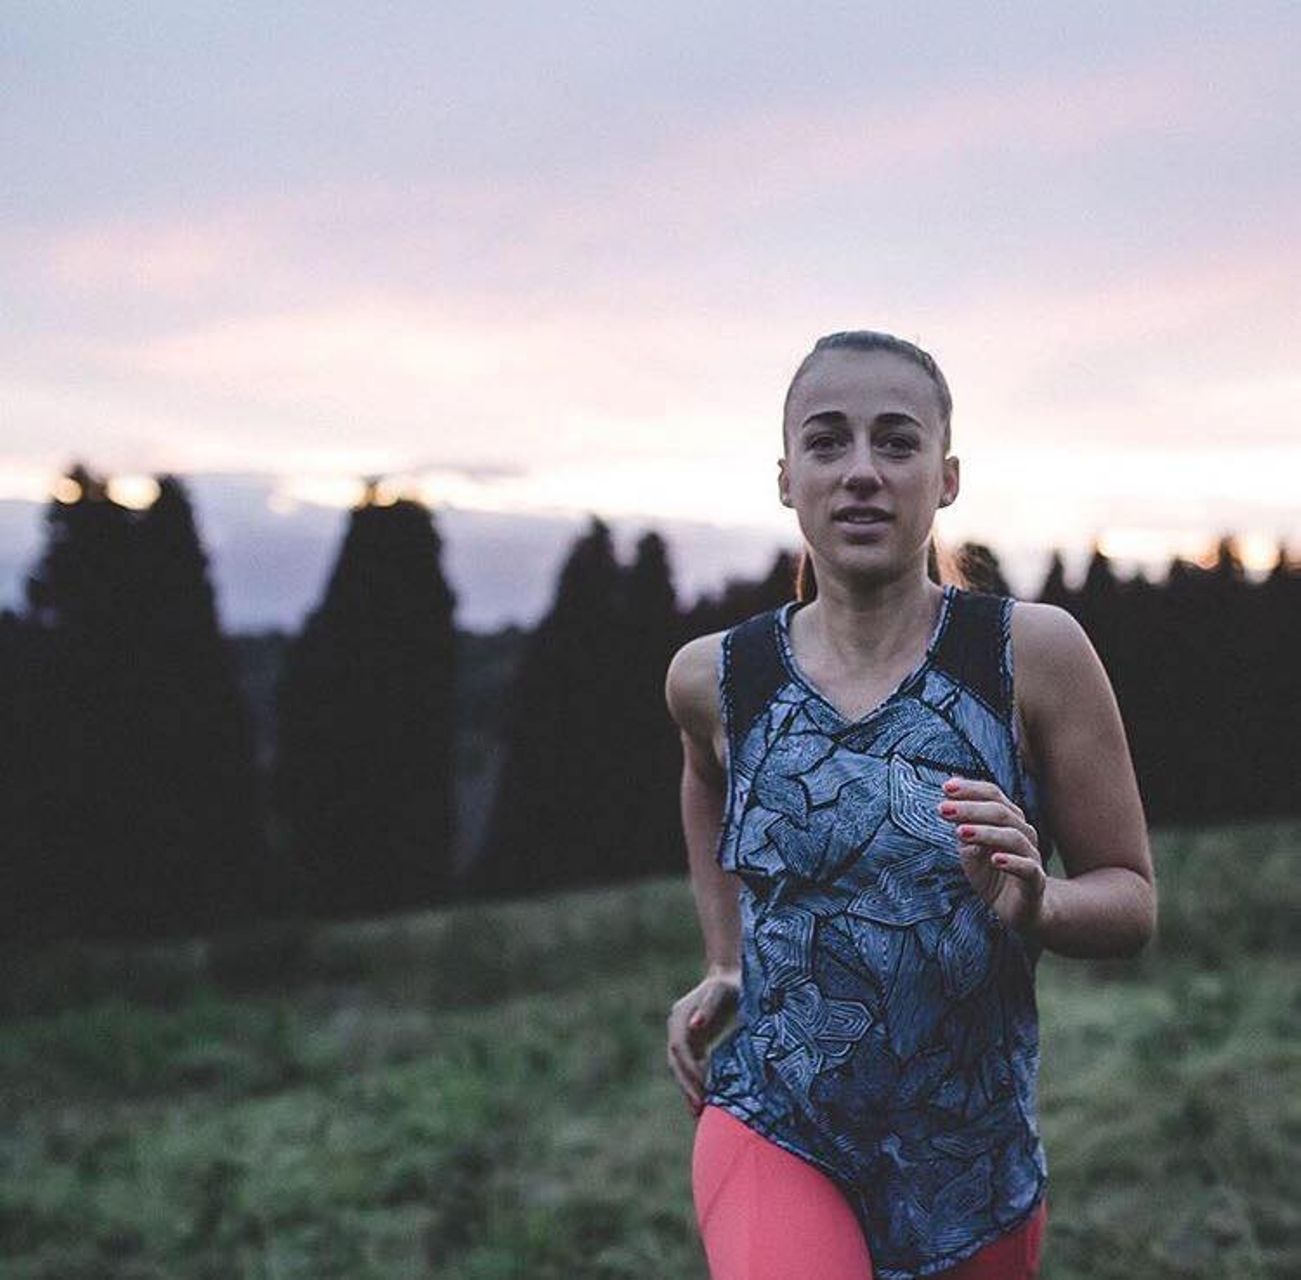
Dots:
(783, 483)
(952, 481)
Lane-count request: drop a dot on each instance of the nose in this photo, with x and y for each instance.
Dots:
(860, 466)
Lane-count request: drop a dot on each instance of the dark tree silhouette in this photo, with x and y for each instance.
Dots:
(126, 772)
(140, 731)
(83, 601)
(206, 819)
(1276, 690)
(1054, 589)
(558, 817)
(43, 897)
(741, 597)
(650, 779)
(364, 723)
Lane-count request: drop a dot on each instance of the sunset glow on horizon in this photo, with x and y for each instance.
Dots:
(570, 267)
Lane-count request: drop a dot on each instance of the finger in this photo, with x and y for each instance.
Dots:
(972, 788)
(959, 788)
(681, 1021)
(994, 812)
(698, 1029)
(1029, 869)
(686, 1059)
(689, 1089)
(1006, 839)
(687, 1069)
(691, 1097)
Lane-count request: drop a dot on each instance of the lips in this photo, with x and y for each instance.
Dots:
(861, 515)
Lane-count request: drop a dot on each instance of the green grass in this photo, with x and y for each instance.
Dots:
(481, 1093)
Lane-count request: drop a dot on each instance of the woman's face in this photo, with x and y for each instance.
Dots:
(864, 431)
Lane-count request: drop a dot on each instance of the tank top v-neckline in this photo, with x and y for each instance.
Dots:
(781, 619)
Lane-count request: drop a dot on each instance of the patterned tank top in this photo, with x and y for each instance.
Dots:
(887, 1030)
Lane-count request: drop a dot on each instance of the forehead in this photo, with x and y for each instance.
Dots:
(866, 384)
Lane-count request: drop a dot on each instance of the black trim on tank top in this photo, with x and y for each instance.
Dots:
(752, 673)
(970, 650)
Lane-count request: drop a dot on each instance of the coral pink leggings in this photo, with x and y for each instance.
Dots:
(765, 1214)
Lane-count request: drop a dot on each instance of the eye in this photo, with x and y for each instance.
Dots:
(821, 441)
(899, 444)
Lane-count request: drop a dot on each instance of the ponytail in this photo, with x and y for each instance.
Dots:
(945, 566)
(806, 585)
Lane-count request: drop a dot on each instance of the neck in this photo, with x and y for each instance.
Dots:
(862, 627)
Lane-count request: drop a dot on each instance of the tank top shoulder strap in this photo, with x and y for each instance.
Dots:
(976, 651)
(750, 672)
(976, 648)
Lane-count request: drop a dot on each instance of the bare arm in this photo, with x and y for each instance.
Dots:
(692, 696)
(699, 1015)
(1106, 904)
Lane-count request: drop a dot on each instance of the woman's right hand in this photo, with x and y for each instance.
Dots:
(694, 1022)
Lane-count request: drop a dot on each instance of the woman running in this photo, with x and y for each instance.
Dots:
(869, 801)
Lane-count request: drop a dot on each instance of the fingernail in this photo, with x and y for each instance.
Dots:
(966, 832)
(948, 808)
(951, 784)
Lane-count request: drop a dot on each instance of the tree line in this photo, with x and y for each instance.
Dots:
(135, 803)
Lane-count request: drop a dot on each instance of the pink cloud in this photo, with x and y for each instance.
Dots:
(163, 257)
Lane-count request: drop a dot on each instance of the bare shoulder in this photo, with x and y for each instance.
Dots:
(1051, 653)
(691, 685)
(691, 691)
(1054, 662)
(1040, 629)
(1079, 742)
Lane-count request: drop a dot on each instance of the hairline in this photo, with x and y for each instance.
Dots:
(944, 418)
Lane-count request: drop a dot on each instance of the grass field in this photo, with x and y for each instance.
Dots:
(481, 1093)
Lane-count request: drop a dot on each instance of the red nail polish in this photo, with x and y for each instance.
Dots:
(966, 832)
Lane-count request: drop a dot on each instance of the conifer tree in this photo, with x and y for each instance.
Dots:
(776, 587)
(34, 852)
(653, 753)
(84, 597)
(1054, 589)
(741, 597)
(557, 816)
(1277, 620)
(206, 822)
(142, 732)
(365, 722)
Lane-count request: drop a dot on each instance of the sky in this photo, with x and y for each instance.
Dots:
(538, 261)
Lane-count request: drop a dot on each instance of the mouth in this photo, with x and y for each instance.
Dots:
(861, 516)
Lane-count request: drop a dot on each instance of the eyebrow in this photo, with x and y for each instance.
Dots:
(833, 417)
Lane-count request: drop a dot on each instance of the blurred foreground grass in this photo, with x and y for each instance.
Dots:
(481, 1092)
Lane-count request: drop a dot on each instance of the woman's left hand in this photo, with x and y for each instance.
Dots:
(999, 849)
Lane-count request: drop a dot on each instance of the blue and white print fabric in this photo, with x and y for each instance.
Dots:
(887, 1029)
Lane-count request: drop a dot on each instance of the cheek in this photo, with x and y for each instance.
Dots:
(802, 482)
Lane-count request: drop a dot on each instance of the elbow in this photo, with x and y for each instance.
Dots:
(1145, 917)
